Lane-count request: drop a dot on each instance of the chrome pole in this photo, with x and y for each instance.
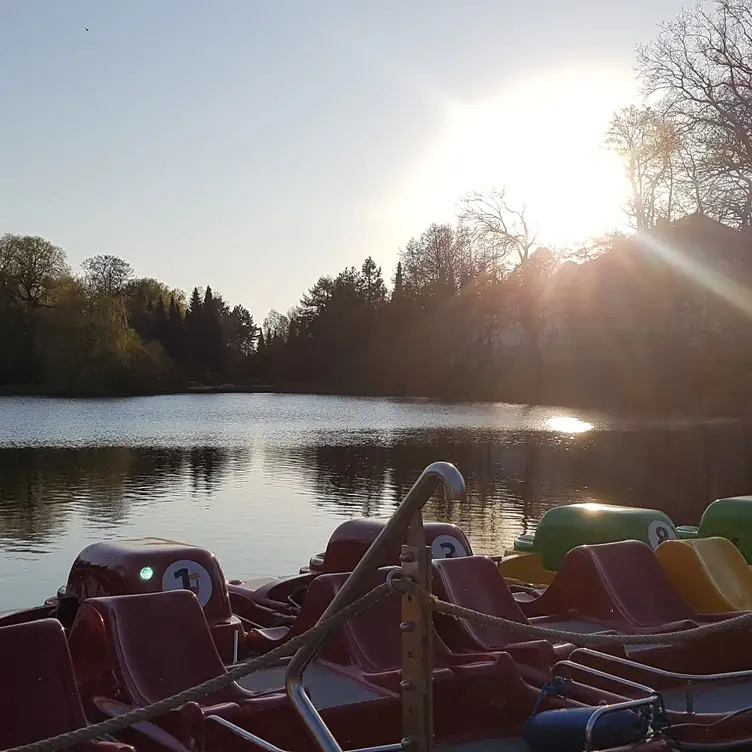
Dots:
(437, 474)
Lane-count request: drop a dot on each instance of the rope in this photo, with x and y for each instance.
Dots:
(577, 638)
(112, 725)
(395, 583)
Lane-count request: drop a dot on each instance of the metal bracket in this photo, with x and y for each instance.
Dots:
(417, 644)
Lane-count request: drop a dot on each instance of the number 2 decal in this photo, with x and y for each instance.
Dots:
(447, 547)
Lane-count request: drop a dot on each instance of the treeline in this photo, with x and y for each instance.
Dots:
(482, 310)
(477, 309)
(427, 335)
(106, 331)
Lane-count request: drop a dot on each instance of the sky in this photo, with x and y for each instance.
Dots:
(255, 146)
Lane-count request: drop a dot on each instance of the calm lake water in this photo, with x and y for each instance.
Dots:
(262, 480)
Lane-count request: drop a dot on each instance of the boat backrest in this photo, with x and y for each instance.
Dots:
(619, 579)
(371, 639)
(352, 538)
(474, 582)
(151, 565)
(38, 694)
(152, 645)
(711, 574)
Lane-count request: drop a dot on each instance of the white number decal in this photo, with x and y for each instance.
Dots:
(659, 531)
(447, 547)
(188, 575)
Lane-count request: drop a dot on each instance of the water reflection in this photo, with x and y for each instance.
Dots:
(264, 479)
(514, 477)
(568, 424)
(511, 478)
(39, 488)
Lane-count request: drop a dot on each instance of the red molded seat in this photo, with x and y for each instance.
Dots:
(616, 583)
(475, 582)
(138, 649)
(38, 695)
(372, 642)
(315, 601)
(151, 565)
(372, 639)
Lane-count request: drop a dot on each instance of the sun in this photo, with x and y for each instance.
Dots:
(542, 139)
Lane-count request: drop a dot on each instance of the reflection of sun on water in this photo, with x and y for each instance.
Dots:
(568, 424)
(542, 137)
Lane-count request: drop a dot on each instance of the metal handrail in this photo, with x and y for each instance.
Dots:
(649, 691)
(269, 747)
(615, 707)
(435, 475)
(686, 680)
(652, 697)
(654, 670)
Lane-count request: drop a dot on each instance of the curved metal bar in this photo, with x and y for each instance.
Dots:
(435, 475)
(604, 709)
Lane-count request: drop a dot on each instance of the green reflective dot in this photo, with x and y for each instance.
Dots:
(146, 573)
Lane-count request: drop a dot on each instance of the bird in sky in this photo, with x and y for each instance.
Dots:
(86, 28)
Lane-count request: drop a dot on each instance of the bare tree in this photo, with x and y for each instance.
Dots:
(501, 235)
(30, 267)
(650, 145)
(276, 327)
(106, 274)
(700, 69)
(438, 262)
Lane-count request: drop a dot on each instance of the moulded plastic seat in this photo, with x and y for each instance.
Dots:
(475, 582)
(317, 598)
(709, 573)
(371, 639)
(151, 565)
(616, 583)
(140, 649)
(38, 693)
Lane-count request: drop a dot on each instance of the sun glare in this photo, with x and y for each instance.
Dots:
(568, 424)
(543, 139)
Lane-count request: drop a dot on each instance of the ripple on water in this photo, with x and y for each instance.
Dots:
(263, 479)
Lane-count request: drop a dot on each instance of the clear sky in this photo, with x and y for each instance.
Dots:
(255, 145)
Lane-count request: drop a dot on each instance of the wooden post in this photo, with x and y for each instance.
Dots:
(417, 644)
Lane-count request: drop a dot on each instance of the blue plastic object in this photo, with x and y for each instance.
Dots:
(563, 729)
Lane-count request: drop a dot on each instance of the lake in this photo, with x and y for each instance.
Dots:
(263, 479)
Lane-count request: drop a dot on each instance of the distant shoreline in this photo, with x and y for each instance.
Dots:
(199, 389)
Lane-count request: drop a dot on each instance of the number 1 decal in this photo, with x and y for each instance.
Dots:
(189, 575)
(184, 577)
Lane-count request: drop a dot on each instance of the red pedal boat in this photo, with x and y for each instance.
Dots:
(141, 621)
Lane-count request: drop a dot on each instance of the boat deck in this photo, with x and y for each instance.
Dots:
(494, 744)
(326, 686)
(718, 697)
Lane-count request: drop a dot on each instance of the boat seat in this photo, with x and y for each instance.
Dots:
(315, 601)
(618, 583)
(139, 649)
(39, 697)
(709, 573)
(372, 639)
(476, 582)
